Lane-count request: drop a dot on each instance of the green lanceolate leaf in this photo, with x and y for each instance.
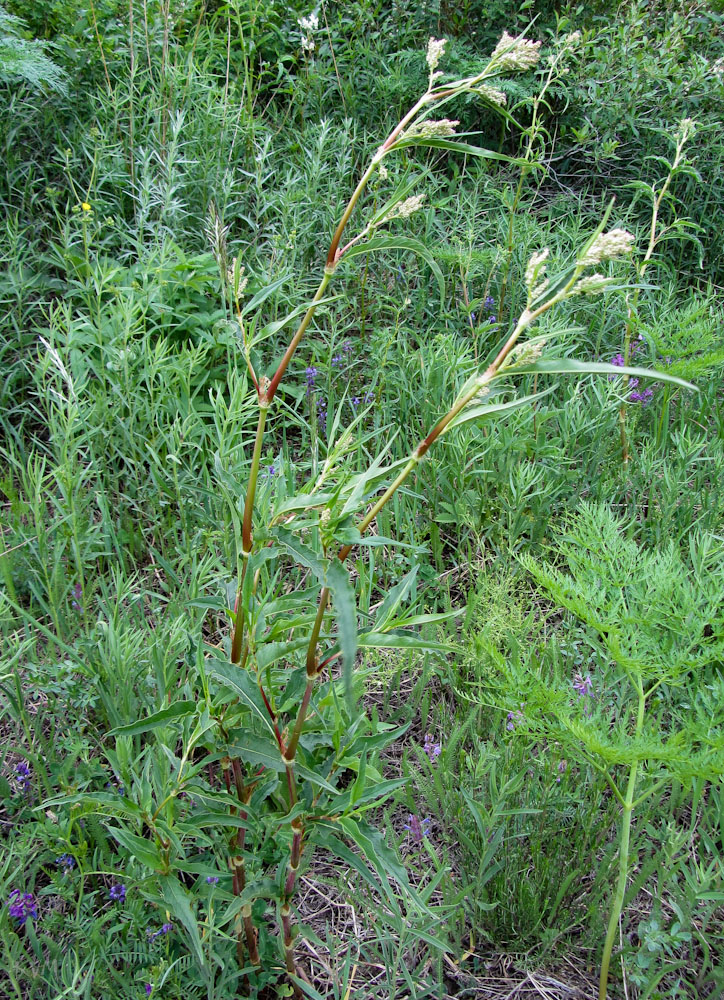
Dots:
(176, 899)
(177, 710)
(255, 749)
(568, 366)
(466, 148)
(345, 612)
(400, 243)
(271, 328)
(326, 837)
(485, 410)
(145, 850)
(256, 300)
(402, 640)
(301, 553)
(395, 596)
(243, 684)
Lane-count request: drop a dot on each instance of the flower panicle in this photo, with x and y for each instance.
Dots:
(607, 246)
(435, 52)
(515, 53)
(404, 209)
(431, 129)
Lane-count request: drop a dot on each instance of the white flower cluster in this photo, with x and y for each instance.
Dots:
(535, 279)
(686, 128)
(492, 94)
(435, 51)
(308, 25)
(431, 129)
(526, 354)
(607, 246)
(234, 272)
(404, 209)
(592, 284)
(515, 53)
(718, 69)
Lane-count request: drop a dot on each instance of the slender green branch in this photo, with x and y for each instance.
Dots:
(623, 853)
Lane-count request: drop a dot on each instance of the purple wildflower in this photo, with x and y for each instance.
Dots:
(347, 347)
(66, 862)
(338, 361)
(149, 989)
(163, 929)
(583, 685)
(562, 768)
(618, 360)
(355, 401)
(431, 748)
(311, 374)
(21, 905)
(641, 397)
(270, 471)
(417, 827)
(368, 397)
(23, 776)
(515, 718)
(489, 303)
(117, 893)
(77, 595)
(212, 879)
(493, 320)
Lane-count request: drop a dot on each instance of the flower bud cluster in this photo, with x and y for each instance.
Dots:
(308, 25)
(492, 94)
(592, 284)
(535, 279)
(404, 209)
(607, 246)
(431, 129)
(515, 53)
(435, 51)
(526, 354)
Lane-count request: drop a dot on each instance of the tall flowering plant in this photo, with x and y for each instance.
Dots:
(275, 722)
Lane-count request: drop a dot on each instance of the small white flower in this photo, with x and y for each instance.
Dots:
(435, 51)
(607, 246)
(383, 172)
(516, 53)
(309, 24)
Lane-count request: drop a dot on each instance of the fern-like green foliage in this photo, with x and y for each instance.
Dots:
(689, 337)
(26, 59)
(659, 618)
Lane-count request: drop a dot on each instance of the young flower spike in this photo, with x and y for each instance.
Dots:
(404, 209)
(431, 129)
(435, 50)
(515, 53)
(607, 246)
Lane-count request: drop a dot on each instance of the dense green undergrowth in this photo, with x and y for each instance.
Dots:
(145, 147)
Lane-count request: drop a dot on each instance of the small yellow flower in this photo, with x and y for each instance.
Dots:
(85, 206)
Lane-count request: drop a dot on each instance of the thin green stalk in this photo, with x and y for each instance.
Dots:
(623, 853)
(246, 531)
(632, 318)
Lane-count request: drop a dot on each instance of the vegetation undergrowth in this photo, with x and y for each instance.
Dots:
(285, 707)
